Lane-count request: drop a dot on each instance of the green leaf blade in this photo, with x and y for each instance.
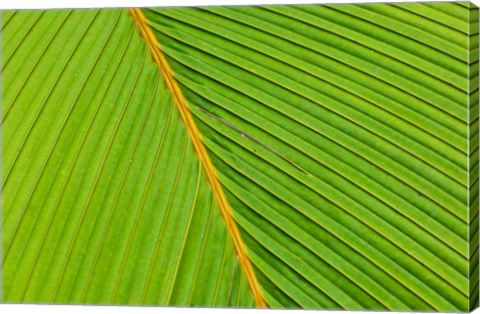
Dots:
(105, 201)
(271, 92)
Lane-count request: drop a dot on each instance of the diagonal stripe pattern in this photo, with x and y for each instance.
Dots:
(346, 140)
(104, 199)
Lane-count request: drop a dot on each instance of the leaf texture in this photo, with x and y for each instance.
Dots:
(104, 199)
(343, 137)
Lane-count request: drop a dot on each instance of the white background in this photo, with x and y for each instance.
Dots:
(68, 309)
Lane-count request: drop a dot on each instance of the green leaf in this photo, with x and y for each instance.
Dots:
(340, 133)
(105, 201)
(341, 141)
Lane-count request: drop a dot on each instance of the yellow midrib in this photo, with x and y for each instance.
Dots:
(201, 151)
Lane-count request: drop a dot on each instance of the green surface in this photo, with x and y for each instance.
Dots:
(345, 138)
(104, 198)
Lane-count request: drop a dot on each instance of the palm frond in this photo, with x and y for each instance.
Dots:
(307, 156)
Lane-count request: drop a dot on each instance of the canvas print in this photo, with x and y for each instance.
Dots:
(320, 156)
